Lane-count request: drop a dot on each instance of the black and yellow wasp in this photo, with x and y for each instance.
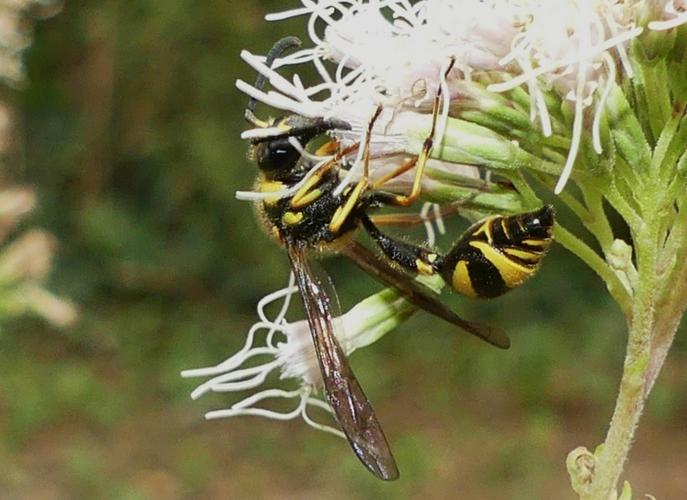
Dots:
(491, 257)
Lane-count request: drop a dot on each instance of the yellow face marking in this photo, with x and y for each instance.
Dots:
(292, 218)
(460, 281)
(270, 187)
(513, 273)
(432, 257)
(525, 255)
(485, 229)
(423, 267)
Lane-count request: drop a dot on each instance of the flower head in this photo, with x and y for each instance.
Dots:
(394, 54)
(287, 349)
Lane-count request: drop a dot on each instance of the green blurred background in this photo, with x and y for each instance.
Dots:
(129, 129)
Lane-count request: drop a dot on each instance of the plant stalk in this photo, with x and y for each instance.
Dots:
(632, 393)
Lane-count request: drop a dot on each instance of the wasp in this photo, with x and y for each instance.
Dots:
(491, 257)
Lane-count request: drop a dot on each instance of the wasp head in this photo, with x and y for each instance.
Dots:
(279, 152)
(539, 224)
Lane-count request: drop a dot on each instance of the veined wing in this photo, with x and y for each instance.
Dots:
(345, 395)
(420, 295)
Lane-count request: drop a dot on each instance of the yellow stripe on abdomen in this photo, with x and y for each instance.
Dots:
(513, 273)
(460, 280)
(526, 255)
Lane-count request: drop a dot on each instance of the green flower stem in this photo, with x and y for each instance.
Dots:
(624, 207)
(575, 245)
(675, 249)
(374, 317)
(632, 394)
(597, 222)
(498, 202)
(671, 315)
(528, 194)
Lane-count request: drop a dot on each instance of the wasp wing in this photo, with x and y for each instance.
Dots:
(420, 295)
(344, 393)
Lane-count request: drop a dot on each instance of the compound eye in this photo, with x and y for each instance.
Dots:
(278, 154)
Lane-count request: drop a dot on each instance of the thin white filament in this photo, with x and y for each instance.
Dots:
(234, 361)
(305, 154)
(446, 103)
(280, 101)
(601, 104)
(279, 323)
(429, 228)
(577, 59)
(248, 350)
(537, 103)
(670, 9)
(275, 79)
(282, 193)
(357, 164)
(579, 108)
(243, 407)
(317, 425)
(227, 382)
(622, 52)
(438, 218)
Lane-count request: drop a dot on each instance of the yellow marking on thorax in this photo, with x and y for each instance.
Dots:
(512, 272)
(292, 218)
(460, 280)
(423, 267)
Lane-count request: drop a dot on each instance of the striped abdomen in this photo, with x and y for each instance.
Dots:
(498, 253)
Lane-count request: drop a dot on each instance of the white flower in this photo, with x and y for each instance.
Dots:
(393, 53)
(287, 348)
